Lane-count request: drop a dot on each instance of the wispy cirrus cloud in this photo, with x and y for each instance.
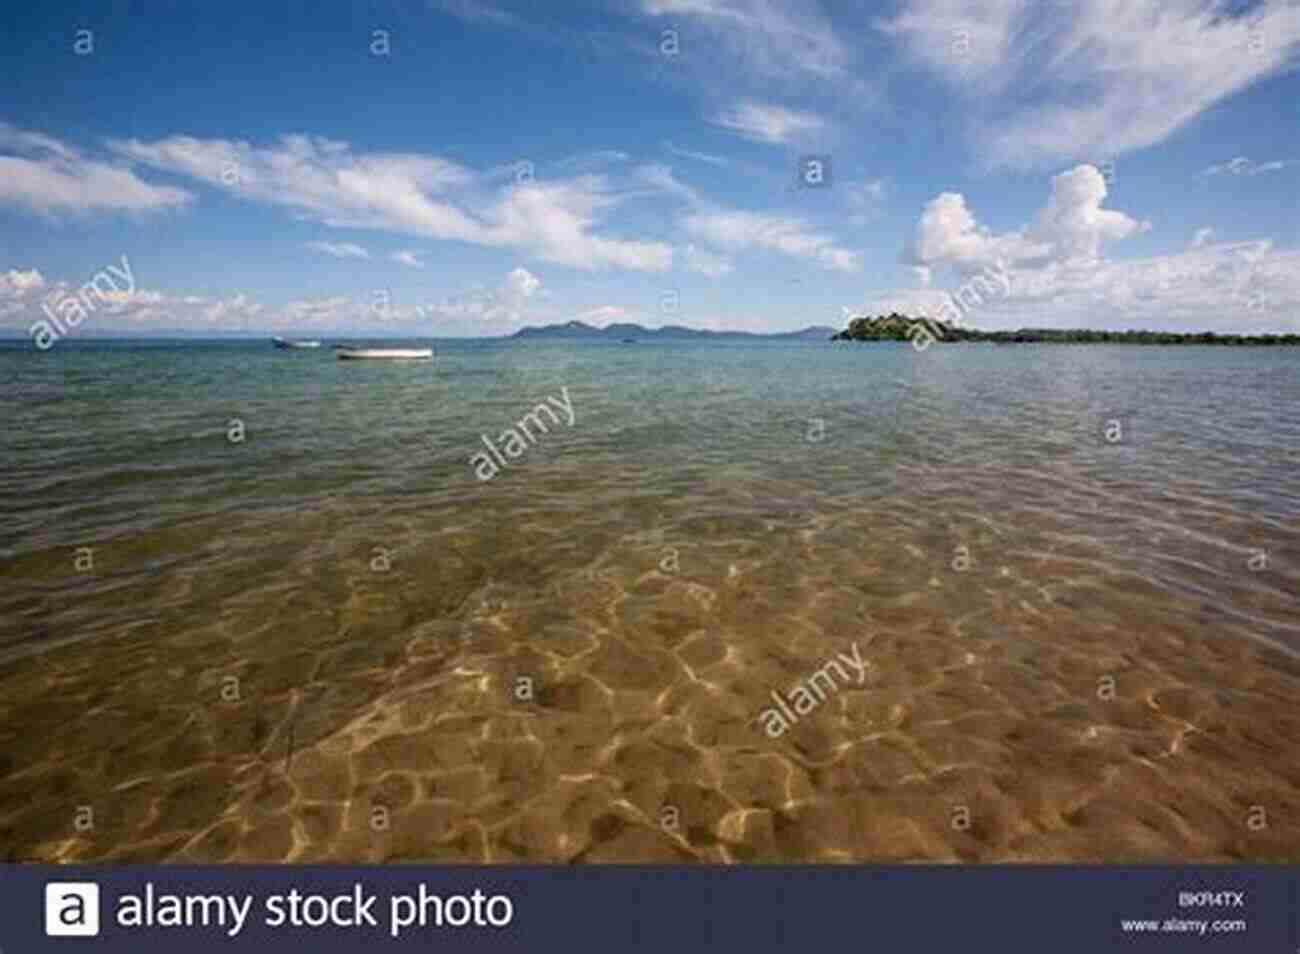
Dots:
(774, 40)
(733, 230)
(410, 193)
(1046, 82)
(339, 249)
(788, 235)
(706, 263)
(1241, 166)
(769, 123)
(408, 258)
(705, 157)
(479, 11)
(50, 178)
(604, 315)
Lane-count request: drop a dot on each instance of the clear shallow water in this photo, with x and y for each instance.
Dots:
(311, 644)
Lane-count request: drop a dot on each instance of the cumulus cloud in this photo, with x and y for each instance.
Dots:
(1071, 226)
(484, 309)
(50, 178)
(1046, 82)
(1074, 224)
(1056, 274)
(948, 234)
(519, 286)
(413, 194)
(17, 288)
(1248, 288)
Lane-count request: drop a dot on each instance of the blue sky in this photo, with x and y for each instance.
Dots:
(460, 167)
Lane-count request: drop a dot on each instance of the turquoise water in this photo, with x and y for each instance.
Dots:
(716, 519)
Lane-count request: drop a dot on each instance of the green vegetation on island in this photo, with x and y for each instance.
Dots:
(896, 327)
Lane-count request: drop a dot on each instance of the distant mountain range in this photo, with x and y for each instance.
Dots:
(626, 331)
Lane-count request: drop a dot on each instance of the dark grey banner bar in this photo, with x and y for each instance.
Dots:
(1248, 909)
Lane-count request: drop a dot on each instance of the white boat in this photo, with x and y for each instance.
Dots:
(291, 343)
(391, 354)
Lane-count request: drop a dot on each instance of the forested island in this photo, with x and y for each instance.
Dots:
(896, 327)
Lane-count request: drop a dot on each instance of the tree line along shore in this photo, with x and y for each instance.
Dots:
(896, 327)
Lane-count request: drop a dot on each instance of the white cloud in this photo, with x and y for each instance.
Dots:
(1225, 287)
(596, 159)
(339, 249)
(771, 40)
(235, 311)
(737, 230)
(706, 263)
(411, 194)
(1072, 226)
(734, 230)
(18, 284)
(18, 289)
(947, 234)
(697, 156)
(50, 178)
(330, 311)
(661, 178)
(604, 315)
(1091, 78)
(481, 309)
(408, 258)
(1241, 166)
(519, 286)
(765, 122)
(866, 192)
(1058, 275)
(476, 11)
(864, 199)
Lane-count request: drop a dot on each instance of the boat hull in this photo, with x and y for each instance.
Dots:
(384, 354)
(287, 344)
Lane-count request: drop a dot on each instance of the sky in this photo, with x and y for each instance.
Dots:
(469, 167)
